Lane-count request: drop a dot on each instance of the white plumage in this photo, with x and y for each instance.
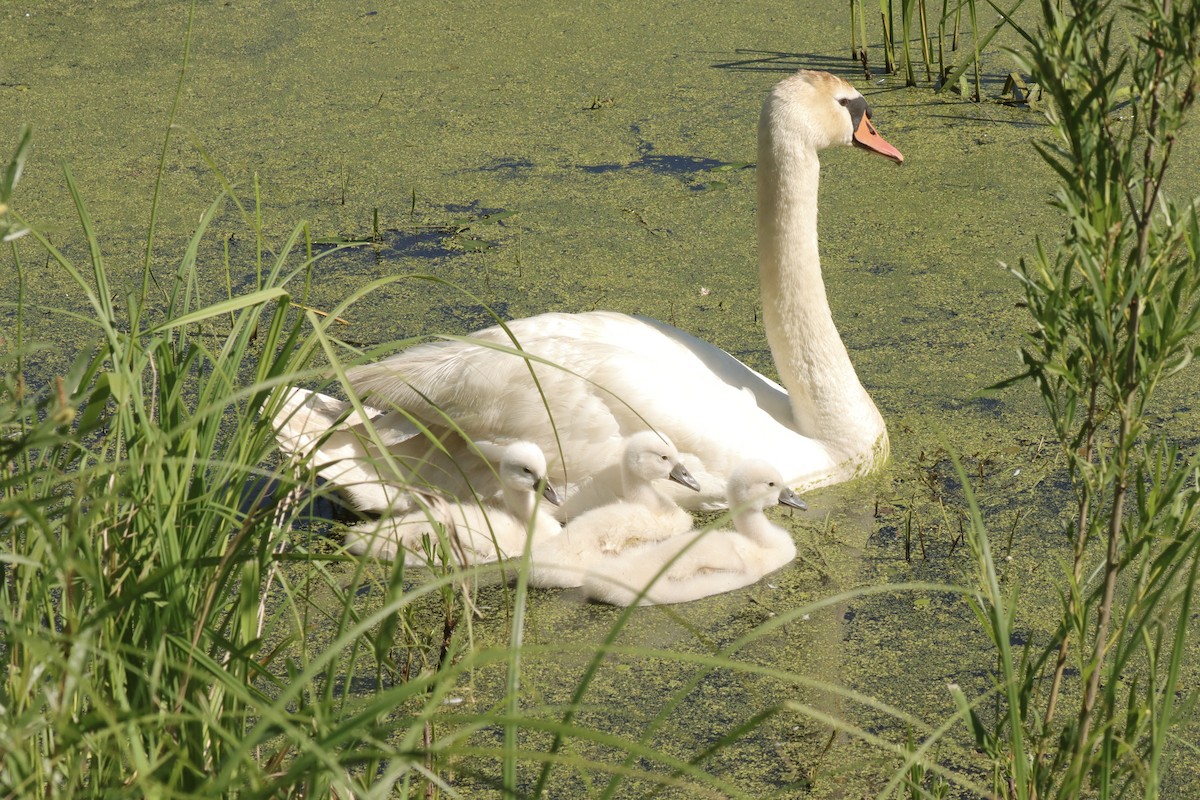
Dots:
(616, 373)
(476, 533)
(643, 515)
(700, 563)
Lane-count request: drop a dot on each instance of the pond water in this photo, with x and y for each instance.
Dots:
(548, 156)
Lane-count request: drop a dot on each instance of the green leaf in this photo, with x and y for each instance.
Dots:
(228, 306)
(474, 245)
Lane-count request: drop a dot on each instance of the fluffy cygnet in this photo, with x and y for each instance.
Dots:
(643, 515)
(702, 563)
(478, 533)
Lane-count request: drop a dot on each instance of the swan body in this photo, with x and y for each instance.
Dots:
(601, 375)
(330, 436)
(478, 533)
(643, 515)
(705, 562)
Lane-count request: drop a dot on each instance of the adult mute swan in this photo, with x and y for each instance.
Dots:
(701, 563)
(478, 533)
(643, 515)
(618, 373)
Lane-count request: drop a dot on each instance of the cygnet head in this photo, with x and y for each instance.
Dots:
(650, 456)
(523, 469)
(817, 110)
(755, 484)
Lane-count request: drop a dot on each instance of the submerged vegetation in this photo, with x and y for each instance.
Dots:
(175, 623)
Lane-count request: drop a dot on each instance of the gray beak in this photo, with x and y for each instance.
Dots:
(679, 474)
(789, 498)
(550, 493)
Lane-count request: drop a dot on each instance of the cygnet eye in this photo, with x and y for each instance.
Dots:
(845, 101)
(771, 484)
(664, 458)
(527, 470)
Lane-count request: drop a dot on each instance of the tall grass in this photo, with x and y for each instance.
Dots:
(159, 603)
(1116, 307)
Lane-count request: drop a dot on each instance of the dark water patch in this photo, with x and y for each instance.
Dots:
(988, 405)
(427, 242)
(512, 164)
(878, 269)
(669, 164)
(473, 229)
(477, 211)
(663, 165)
(887, 535)
(314, 506)
(951, 485)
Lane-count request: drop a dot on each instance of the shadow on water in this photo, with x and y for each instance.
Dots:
(505, 164)
(316, 505)
(777, 61)
(420, 242)
(664, 165)
(679, 165)
(472, 228)
(849, 69)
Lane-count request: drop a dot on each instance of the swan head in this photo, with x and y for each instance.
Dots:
(754, 485)
(650, 456)
(818, 110)
(523, 469)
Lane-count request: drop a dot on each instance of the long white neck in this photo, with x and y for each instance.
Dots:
(828, 401)
(754, 525)
(521, 503)
(643, 492)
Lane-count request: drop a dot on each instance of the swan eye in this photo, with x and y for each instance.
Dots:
(845, 101)
(771, 484)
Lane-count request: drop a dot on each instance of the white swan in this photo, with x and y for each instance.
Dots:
(643, 515)
(705, 562)
(621, 373)
(331, 437)
(478, 533)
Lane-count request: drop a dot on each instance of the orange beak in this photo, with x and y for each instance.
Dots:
(866, 136)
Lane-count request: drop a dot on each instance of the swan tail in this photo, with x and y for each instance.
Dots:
(330, 435)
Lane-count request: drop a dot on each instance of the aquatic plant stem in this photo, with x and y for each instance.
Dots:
(147, 271)
(1081, 537)
(1112, 570)
(925, 50)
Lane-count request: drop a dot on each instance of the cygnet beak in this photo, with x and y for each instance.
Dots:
(789, 498)
(550, 493)
(679, 474)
